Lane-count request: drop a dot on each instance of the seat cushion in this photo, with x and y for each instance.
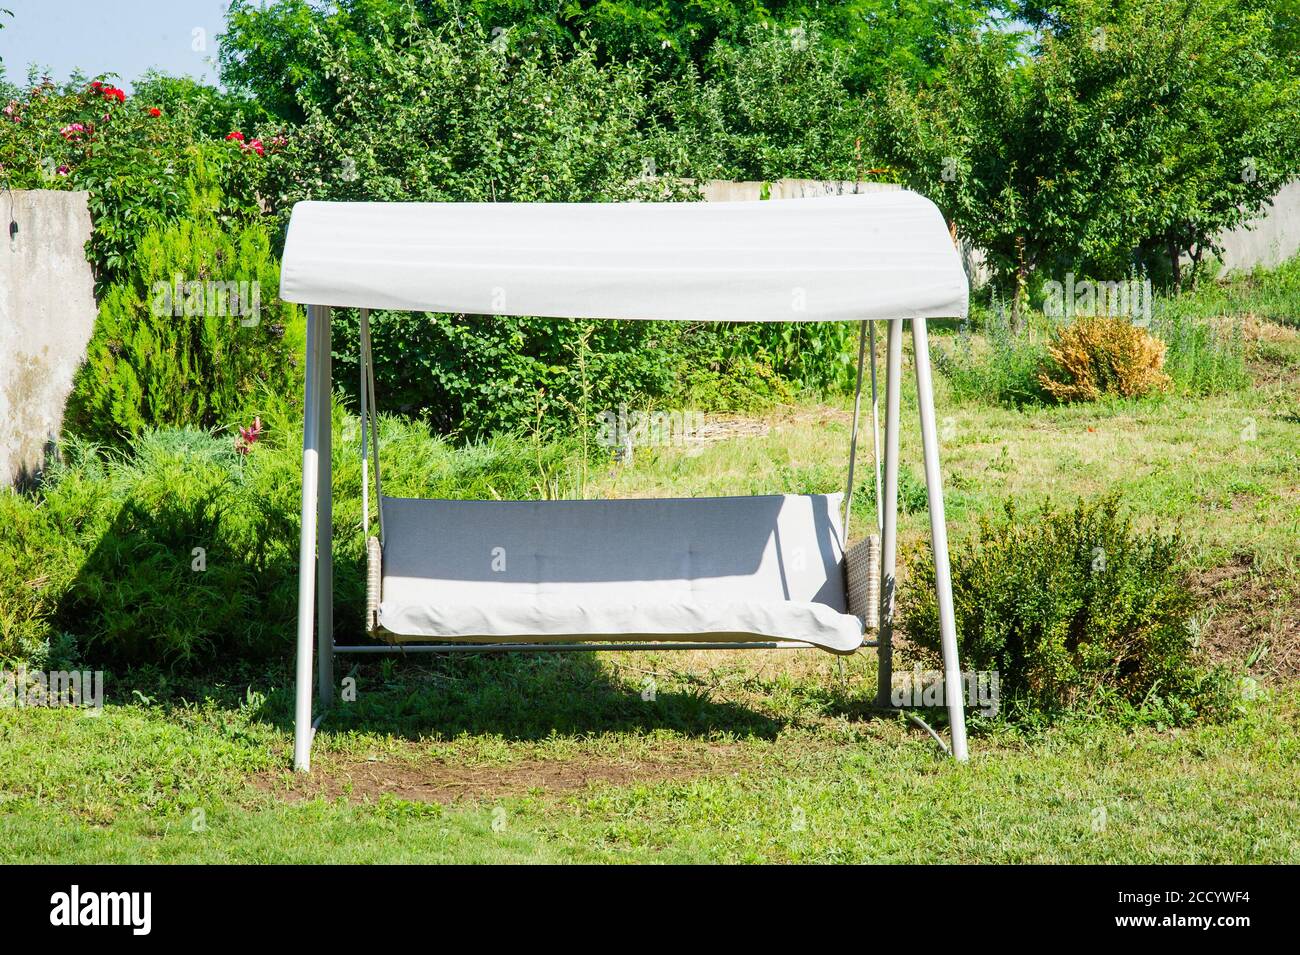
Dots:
(560, 619)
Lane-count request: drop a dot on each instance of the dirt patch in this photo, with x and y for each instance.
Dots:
(1247, 612)
(726, 427)
(431, 781)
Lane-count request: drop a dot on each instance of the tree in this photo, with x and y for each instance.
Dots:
(772, 107)
(1228, 133)
(1110, 131)
(273, 51)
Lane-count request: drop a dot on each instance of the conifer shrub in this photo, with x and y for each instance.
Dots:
(192, 336)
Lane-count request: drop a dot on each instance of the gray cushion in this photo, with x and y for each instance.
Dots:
(732, 568)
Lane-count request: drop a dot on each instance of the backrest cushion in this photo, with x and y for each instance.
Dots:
(770, 548)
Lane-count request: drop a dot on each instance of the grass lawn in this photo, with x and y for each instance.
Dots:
(745, 756)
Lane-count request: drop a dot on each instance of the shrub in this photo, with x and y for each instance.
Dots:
(131, 154)
(1096, 356)
(479, 375)
(105, 550)
(1078, 611)
(191, 336)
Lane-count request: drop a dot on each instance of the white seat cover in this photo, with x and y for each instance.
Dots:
(696, 569)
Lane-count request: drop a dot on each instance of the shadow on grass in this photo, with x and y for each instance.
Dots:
(516, 697)
(528, 697)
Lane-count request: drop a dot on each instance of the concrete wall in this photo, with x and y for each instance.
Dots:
(1269, 240)
(47, 313)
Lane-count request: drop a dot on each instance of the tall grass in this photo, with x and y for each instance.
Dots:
(1206, 350)
(989, 360)
(1202, 356)
(1270, 294)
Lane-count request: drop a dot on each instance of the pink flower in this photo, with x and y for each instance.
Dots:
(254, 145)
(72, 131)
(63, 170)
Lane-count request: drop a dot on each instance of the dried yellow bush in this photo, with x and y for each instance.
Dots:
(1092, 357)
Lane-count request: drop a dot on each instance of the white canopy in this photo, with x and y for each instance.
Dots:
(885, 255)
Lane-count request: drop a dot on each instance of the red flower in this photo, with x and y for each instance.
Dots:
(248, 436)
(154, 111)
(235, 135)
(256, 146)
(119, 95)
(96, 86)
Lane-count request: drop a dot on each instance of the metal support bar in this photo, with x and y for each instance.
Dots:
(569, 647)
(853, 433)
(889, 513)
(325, 516)
(875, 429)
(302, 728)
(363, 390)
(939, 540)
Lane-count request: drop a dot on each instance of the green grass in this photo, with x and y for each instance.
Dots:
(209, 784)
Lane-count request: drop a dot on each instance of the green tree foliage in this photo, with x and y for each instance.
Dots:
(772, 107)
(192, 334)
(1111, 132)
(449, 116)
(273, 50)
(206, 112)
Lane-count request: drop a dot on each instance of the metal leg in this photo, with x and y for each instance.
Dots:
(939, 540)
(302, 730)
(325, 520)
(889, 515)
(875, 429)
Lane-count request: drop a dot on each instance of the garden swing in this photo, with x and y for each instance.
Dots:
(770, 571)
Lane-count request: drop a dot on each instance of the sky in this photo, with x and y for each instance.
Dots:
(125, 37)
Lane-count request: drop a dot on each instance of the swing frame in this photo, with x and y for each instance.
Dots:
(315, 582)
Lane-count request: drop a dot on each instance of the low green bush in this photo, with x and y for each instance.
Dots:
(180, 551)
(476, 375)
(1078, 611)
